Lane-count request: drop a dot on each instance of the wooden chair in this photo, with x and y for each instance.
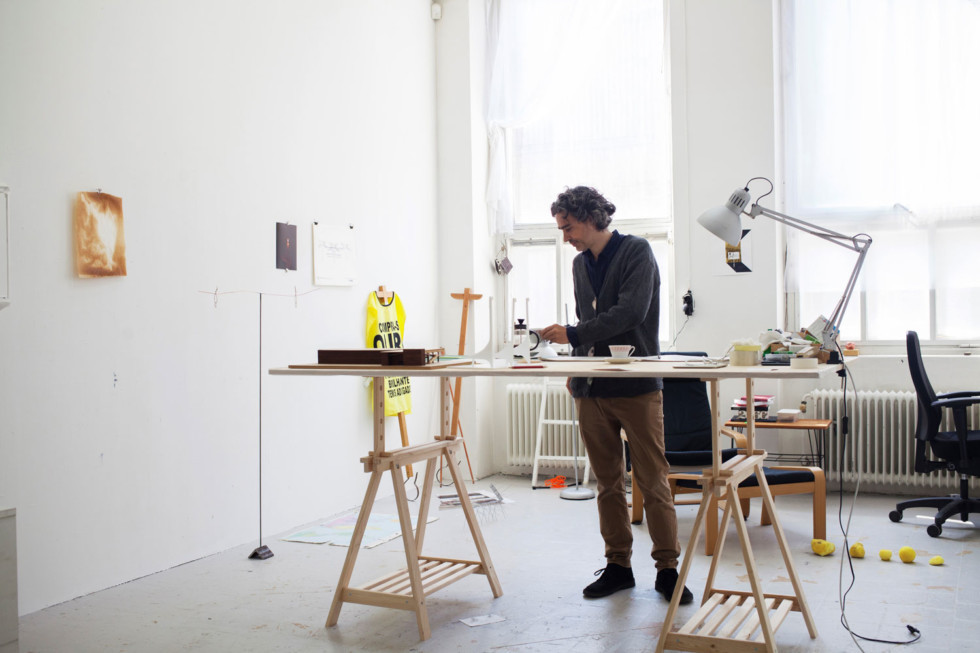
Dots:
(782, 479)
(687, 432)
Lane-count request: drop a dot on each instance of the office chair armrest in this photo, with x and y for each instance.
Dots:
(956, 399)
(962, 393)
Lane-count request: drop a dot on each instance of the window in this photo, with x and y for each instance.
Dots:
(540, 285)
(577, 96)
(881, 133)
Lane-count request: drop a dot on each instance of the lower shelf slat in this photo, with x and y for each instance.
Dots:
(390, 589)
(721, 614)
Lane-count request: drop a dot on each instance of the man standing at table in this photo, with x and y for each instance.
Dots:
(617, 302)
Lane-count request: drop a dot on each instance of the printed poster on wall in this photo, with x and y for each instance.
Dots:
(285, 246)
(100, 245)
(738, 259)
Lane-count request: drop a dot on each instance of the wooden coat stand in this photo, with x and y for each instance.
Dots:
(408, 588)
(730, 620)
(457, 428)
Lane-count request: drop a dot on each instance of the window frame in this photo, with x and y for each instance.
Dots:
(652, 230)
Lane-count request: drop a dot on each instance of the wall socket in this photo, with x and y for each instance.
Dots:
(688, 303)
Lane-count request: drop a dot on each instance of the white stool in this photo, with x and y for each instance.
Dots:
(572, 420)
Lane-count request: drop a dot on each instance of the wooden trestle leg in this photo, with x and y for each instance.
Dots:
(407, 589)
(730, 620)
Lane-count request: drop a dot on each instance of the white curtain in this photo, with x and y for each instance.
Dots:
(542, 57)
(882, 135)
(884, 97)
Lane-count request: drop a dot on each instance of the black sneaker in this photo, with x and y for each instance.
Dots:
(613, 578)
(667, 582)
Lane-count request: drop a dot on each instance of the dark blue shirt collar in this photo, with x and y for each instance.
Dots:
(597, 267)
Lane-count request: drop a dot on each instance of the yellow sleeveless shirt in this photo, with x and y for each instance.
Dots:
(385, 323)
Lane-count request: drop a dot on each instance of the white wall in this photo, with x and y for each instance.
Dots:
(465, 247)
(723, 106)
(129, 406)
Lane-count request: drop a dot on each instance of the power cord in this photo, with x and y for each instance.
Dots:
(686, 320)
(845, 373)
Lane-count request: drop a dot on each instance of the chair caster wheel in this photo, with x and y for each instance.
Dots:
(895, 515)
(934, 530)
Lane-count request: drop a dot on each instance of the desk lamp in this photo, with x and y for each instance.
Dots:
(725, 222)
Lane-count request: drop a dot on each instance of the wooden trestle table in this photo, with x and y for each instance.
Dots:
(729, 620)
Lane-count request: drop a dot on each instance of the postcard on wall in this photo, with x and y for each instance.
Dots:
(738, 259)
(100, 245)
(333, 255)
(285, 246)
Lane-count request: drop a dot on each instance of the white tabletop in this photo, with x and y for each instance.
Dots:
(599, 368)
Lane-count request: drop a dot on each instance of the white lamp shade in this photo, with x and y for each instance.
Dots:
(724, 221)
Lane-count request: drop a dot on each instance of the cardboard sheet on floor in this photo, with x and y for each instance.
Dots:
(483, 620)
(381, 528)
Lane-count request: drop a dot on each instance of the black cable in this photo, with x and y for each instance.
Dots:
(415, 481)
(688, 319)
(843, 435)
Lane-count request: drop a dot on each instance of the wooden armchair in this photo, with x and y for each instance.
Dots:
(687, 431)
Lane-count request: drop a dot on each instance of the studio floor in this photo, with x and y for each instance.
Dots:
(545, 550)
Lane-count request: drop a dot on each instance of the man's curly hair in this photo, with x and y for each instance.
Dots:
(585, 205)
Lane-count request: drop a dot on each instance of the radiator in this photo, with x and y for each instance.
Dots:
(523, 408)
(881, 443)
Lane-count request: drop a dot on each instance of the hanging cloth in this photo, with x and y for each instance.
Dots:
(385, 322)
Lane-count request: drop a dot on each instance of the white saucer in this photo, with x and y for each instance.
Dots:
(619, 361)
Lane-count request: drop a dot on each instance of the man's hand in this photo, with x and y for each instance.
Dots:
(555, 333)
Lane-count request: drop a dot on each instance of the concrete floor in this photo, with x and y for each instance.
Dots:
(545, 550)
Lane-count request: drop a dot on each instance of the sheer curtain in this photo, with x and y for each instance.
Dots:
(576, 95)
(881, 102)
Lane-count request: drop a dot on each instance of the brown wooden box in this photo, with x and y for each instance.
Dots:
(394, 357)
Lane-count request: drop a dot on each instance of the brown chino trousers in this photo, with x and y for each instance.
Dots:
(642, 418)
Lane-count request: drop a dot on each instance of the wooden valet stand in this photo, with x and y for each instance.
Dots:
(457, 428)
(731, 620)
(408, 588)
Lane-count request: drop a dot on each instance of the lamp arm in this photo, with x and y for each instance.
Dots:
(859, 243)
(833, 323)
(854, 243)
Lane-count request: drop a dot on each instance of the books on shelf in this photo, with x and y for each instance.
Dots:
(760, 403)
(759, 400)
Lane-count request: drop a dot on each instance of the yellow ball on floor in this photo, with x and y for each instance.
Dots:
(936, 561)
(907, 554)
(857, 550)
(822, 547)
(885, 554)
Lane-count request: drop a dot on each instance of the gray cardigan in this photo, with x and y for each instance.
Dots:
(625, 312)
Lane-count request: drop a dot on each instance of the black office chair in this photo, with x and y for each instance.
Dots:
(957, 451)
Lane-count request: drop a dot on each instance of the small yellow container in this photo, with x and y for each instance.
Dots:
(745, 355)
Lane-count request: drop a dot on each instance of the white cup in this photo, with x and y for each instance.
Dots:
(621, 351)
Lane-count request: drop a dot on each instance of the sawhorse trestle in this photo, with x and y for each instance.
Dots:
(730, 620)
(408, 588)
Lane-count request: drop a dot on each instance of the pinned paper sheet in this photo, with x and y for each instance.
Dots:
(333, 255)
